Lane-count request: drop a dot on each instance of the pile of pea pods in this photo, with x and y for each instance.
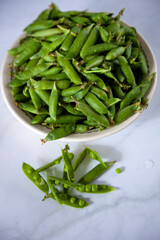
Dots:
(60, 187)
(77, 71)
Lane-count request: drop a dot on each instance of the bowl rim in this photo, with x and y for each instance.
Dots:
(75, 137)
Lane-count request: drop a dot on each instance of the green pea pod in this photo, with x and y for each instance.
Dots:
(91, 77)
(33, 71)
(127, 71)
(100, 48)
(40, 25)
(15, 51)
(91, 40)
(89, 112)
(128, 49)
(99, 93)
(19, 97)
(144, 66)
(68, 69)
(17, 83)
(95, 103)
(117, 90)
(57, 77)
(64, 119)
(53, 37)
(119, 75)
(70, 38)
(59, 132)
(44, 15)
(79, 42)
(38, 119)
(46, 166)
(134, 41)
(63, 84)
(29, 107)
(16, 90)
(134, 55)
(114, 53)
(36, 100)
(32, 47)
(81, 128)
(95, 172)
(94, 155)
(94, 62)
(114, 28)
(51, 71)
(53, 102)
(145, 84)
(80, 158)
(130, 96)
(71, 109)
(44, 95)
(112, 101)
(68, 165)
(35, 177)
(72, 90)
(127, 112)
(81, 20)
(69, 200)
(46, 32)
(31, 64)
(104, 34)
(54, 191)
(94, 188)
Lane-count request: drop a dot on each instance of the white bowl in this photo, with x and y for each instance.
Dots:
(76, 137)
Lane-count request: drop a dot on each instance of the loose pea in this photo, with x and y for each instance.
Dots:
(118, 170)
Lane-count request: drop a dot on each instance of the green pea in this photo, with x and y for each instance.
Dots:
(81, 188)
(72, 199)
(88, 188)
(94, 187)
(56, 182)
(81, 202)
(118, 170)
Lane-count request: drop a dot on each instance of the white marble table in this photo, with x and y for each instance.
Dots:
(133, 212)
